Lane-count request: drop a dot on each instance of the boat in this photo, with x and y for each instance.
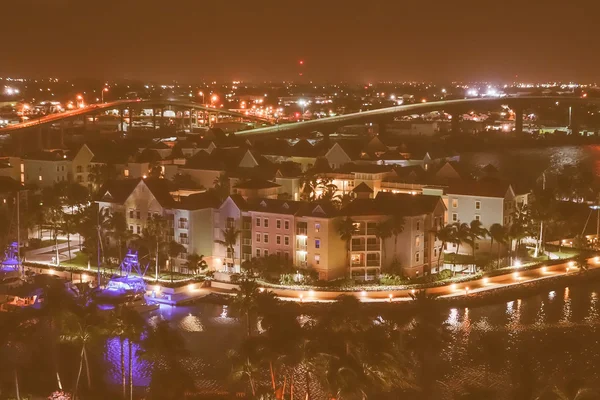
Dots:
(124, 288)
(10, 266)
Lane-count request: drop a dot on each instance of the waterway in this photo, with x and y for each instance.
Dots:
(549, 336)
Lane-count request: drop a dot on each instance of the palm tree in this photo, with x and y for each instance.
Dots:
(463, 235)
(446, 234)
(397, 224)
(118, 231)
(221, 186)
(497, 233)
(383, 230)
(13, 344)
(346, 229)
(154, 235)
(173, 251)
(308, 186)
(477, 231)
(229, 240)
(581, 262)
(196, 263)
(245, 301)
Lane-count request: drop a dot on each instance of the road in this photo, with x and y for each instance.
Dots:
(92, 108)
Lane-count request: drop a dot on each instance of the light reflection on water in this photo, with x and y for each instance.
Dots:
(558, 325)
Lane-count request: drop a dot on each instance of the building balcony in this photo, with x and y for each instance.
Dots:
(358, 247)
(373, 263)
(183, 225)
(302, 231)
(371, 231)
(373, 247)
(302, 264)
(184, 240)
(247, 226)
(247, 242)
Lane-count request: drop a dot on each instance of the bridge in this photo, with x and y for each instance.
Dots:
(386, 115)
(121, 105)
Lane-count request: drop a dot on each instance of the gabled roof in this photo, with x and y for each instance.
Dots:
(362, 188)
(117, 191)
(111, 152)
(386, 203)
(161, 189)
(288, 207)
(56, 155)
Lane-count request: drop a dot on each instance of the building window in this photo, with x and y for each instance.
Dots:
(266, 223)
(258, 238)
(139, 229)
(476, 246)
(79, 169)
(317, 259)
(454, 217)
(257, 252)
(417, 241)
(130, 213)
(139, 214)
(126, 172)
(317, 227)
(278, 239)
(230, 222)
(266, 253)
(286, 240)
(278, 224)
(79, 178)
(183, 223)
(477, 217)
(131, 228)
(286, 224)
(266, 238)
(317, 243)
(257, 221)
(478, 205)
(418, 225)
(454, 203)
(417, 256)
(40, 177)
(286, 256)
(183, 238)
(435, 251)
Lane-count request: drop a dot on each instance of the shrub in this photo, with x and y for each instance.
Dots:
(392, 280)
(445, 274)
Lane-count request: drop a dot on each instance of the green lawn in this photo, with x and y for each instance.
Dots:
(79, 261)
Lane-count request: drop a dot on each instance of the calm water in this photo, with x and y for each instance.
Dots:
(526, 165)
(557, 332)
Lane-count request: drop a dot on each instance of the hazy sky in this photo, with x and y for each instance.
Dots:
(192, 40)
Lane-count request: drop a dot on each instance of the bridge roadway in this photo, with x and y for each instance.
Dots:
(138, 103)
(329, 124)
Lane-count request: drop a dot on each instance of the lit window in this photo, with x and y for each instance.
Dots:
(417, 241)
(478, 205)
(454, 203)
(317, 259)
(40, 177)
(317, 227)
(317, 243)
(126, 172)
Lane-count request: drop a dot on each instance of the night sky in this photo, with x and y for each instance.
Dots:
(195, 40)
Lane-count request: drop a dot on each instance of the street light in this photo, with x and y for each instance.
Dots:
(303, 105)
(104, 90)
(201, 94)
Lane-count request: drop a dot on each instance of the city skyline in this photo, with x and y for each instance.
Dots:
(325, 42)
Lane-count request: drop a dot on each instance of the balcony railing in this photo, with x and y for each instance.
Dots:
(230, 255)
(301, 246)
(371, 231)
(183, 225)
(302, 263)
(373, 247)
(358, 247)
(184, 240)
(373, 263)
(302, 231)
(247, 226)
(247, 242)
